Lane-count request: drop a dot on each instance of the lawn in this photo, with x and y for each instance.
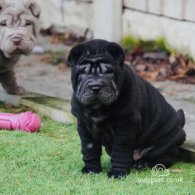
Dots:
(49, 162)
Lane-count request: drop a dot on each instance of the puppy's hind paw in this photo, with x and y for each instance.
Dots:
(142, 165)
(116, 174)
(86, 170)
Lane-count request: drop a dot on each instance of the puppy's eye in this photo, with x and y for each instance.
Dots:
(81, 73)
(106, 68)
(81, 76)
(109, 70)
(28, 23)
(3, 23)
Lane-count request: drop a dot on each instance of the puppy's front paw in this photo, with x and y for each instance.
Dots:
(117, 174)
(17, 91)
(86, 170)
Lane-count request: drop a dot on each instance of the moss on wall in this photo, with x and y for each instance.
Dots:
(129, 42)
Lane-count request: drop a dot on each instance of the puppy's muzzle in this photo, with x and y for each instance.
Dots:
(95, 87)
(16, 40)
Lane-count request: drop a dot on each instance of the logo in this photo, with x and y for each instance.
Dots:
(159, 170)
(160, 173)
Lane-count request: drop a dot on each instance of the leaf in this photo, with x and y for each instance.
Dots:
(151, 76)
(175, 170)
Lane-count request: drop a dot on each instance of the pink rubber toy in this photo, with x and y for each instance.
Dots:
(25, 121)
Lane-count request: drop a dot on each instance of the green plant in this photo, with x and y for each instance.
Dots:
(129, 42)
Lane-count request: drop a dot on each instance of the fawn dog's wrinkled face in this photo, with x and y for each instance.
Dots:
(97, 69)
(19, 26)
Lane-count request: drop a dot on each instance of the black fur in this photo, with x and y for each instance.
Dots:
(139, 118)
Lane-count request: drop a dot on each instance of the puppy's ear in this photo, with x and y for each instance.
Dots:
(4, 4)
(0, 5)
(116, 52)
(75, 54)
(35, 8)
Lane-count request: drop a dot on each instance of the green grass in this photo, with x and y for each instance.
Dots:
(49, 162)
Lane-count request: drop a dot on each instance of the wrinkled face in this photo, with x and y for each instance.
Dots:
(96, 83)
(96, 77)
(19, 26)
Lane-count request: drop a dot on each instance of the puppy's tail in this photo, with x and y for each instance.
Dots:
(181, 117)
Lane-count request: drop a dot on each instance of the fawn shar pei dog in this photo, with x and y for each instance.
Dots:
(19, 28)
(117, 109)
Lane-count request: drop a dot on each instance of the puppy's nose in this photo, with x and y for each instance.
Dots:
(16, 40)
(95, 88)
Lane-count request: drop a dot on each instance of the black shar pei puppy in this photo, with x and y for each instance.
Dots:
(119, 110)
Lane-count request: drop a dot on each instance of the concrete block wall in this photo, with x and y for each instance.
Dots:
(107, 21)
(70, 13)
(136, 4)
(190, 13)
(113, 19)
(154, 7)
(173, 20)
(176, 9)
(179, 35)
(173, 8)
